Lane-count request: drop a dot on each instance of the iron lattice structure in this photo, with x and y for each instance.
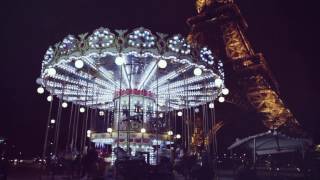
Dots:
(221, 26)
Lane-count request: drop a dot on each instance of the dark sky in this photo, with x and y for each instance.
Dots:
(285, 31)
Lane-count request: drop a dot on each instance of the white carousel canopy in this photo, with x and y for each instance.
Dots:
(91, 70)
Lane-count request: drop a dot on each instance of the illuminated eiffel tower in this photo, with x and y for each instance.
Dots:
(220, 25)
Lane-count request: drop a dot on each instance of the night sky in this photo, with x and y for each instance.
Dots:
(285, 31)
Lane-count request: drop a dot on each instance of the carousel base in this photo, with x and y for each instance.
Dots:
(147, 145)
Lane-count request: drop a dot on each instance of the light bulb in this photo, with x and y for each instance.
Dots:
(221, 99)
(78, 64)
(211, 105)
(64, 104)
(52, 121)
(52, 71)
(178, 136)
(49, 98)
(101, 113)
(196, 110)
(109, 130)
(162, 64)
(225, 91)
(40, 90)
(218, 82)
(179, 113)
(197, 71)
(119, 60)
(143, 130)
(82, 109)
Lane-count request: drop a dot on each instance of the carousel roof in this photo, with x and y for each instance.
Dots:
(90, 69)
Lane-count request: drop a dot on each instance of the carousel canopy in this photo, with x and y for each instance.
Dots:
(94, 69)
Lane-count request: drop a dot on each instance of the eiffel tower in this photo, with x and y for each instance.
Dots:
(220, 25)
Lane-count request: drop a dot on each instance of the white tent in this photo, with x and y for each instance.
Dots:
(271, 143)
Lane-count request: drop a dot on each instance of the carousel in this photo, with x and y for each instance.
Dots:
(137, 90)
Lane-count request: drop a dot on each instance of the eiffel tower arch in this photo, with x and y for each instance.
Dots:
(220, 25)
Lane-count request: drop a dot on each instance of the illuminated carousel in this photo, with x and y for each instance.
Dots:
(136, 82)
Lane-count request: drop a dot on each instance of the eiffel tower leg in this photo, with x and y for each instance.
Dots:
(221, 27)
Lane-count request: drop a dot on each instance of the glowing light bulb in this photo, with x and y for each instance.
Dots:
(221, 99)
(218, 82)
(162, 64)
(64, 104)
(82, 109)
(119, 60)
(170, 133)
(196, 110)
(52, 121)
(109, 130)
(49, 98)
(101, 113)
(78, 64)
(52, 71)
(40, 90)
(197, 71)
(225, 91)
(179, 113)
(178, 136)
(88, 133)
(143, 130)
(211, 105)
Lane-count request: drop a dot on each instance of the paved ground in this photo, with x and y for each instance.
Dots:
(33, 172)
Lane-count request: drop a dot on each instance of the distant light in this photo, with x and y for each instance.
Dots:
(52, 71)
(49, 98)
(82, 109)
(109, 130)
(52, 121)
(161, 115)
(64, 104)
(162, 63)
(196, 110)
(40, 90)
(197, 71)
(211, 105)
(170, 133)
(119, 60)
(143, 130)
(178, 136)
(218, 82)
(101, 113)
(179, 113)
(221, 99)
(225, 91)
(78, 64)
